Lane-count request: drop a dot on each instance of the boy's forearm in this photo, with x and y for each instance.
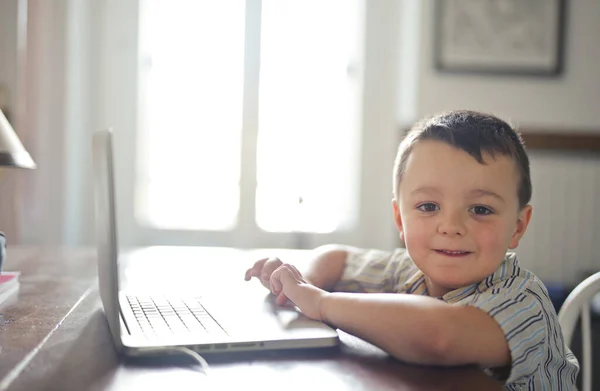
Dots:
(419, 329)
(326, 269)
(387, 321)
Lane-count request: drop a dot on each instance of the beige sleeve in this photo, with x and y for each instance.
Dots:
(371, 271)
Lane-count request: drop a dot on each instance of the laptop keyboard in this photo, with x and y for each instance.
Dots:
(162, 316)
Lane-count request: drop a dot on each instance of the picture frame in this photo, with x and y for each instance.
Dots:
(510, 37)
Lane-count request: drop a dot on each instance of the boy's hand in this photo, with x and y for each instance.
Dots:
(262, 269)
(287, 283)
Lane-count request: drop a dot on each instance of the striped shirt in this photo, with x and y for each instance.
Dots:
(513, 296)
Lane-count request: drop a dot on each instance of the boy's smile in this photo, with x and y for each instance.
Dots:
(458, 217)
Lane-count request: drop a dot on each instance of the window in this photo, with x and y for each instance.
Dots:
(309, 116)
(249, 109)
(227, 114)
(191, 113)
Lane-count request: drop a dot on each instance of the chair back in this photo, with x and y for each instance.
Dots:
(575, 306)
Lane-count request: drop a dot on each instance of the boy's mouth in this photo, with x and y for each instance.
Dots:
(453, 253)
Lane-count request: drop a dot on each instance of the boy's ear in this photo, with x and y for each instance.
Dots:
(398, 219)
(523, 221)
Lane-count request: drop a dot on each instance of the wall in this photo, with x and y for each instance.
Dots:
(8, 46)
(559, 245)
(43, 200)
(571, 100)
(55, 197)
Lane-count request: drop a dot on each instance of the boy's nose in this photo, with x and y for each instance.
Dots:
(452, 225)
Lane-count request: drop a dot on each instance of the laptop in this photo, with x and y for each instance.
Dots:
(141, 322)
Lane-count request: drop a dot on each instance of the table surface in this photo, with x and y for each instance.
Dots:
(54, 336)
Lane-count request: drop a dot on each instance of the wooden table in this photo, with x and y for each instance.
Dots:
(53, 336)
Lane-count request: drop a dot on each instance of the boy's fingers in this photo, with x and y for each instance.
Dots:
(281, 299)
(269, 267)
(284, 275)
(280, 277)
(255, 270)
(296, 273)
(275, 284)
(293, 274)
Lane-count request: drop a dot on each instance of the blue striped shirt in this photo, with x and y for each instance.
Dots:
(512, 296)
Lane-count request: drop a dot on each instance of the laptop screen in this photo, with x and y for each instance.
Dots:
(106, 230)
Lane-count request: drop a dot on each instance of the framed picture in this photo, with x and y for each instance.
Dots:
(517, 37)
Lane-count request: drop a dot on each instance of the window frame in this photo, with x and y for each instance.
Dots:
(118, 97)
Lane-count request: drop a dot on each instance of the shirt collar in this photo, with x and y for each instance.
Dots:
(509, 267)
(415, 284)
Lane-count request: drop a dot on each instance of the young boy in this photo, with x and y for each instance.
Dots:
(461, 193)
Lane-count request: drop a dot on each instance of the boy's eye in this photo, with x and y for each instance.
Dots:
(481, 210)
(428, 207)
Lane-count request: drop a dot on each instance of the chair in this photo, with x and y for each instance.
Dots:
(578, 303)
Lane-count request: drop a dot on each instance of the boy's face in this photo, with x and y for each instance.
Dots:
(456, 216)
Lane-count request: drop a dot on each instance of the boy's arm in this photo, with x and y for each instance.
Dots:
(326, 269)
(419, 329)
(342, 268)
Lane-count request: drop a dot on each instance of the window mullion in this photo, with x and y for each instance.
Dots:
(247, 212)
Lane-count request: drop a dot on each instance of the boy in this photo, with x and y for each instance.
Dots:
(461, 193)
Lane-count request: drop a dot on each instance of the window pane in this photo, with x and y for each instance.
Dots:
(191, 113)
(309, 115)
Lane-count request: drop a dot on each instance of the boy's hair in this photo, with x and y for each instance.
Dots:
(473, 132)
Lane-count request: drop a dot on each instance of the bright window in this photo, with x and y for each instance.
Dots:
(192, 89)
(309, 115)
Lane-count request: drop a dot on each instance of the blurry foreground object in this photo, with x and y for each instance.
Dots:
(12, 154)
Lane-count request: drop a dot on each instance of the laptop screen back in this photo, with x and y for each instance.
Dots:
(106, 230)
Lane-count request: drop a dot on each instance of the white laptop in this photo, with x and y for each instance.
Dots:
(142, 322)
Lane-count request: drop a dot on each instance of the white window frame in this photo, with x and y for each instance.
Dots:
(117, 61)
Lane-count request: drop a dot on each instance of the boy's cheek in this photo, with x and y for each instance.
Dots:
(416, 238)
(415, 227)
(493, 241)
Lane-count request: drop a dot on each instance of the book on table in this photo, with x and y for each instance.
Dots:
(9, 285)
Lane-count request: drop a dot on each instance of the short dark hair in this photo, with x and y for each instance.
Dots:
(473, 132)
